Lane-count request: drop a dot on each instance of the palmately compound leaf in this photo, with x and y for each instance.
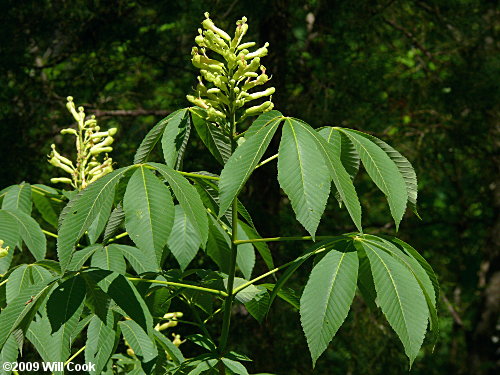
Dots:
(149, 212)
(303, 174)
(184, 240)
(383, 171)
(400, 297)
(152, 138)
(242, 162)
(340, 177)
(327, 298)
(81, 212)
(216, 141)
(188, 198)
(175, 138)
(30, 232)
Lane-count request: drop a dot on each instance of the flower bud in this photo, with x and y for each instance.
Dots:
(4, 251)
(197, 101)
(245, 46)
(264, 107)
(63, 180)
(261, 52)
(209, 25)
(260, 94)
(69, 131)
(214, 114)
(99, 150)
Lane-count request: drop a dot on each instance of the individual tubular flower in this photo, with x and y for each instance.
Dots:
(225, 82)
(91, 144)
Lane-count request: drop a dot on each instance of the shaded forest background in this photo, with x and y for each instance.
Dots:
(421, 75)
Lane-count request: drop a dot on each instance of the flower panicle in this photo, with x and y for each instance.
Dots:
(224, 84)
(91, 144)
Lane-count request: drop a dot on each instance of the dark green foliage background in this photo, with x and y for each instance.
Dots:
(422, 76)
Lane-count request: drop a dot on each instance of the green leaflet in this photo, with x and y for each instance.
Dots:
(116, 219)
(65, 301)
(125, 295)
(317, 247)
(303, 175)
(169, 347)
(235, 367)
(9, 353)
(242, 162)
(18, 197)
(44, 205)
(245, 258)
(404, 167)
(110, 258)
(19, 312)
(259, 304)
(81, 212)
(175, 138)
(383, 171)
(140, 261)
(100, 221)
(261, 247)
(216, 141)
(188, 198)
(19, 279)
(327, 298)
(143, 346)
(400, 297)
(152, 138)
(262, 121)
(348, 154)
(30, 231)
(80, 257)
(184, 240)
(9, 233)
(218, 245)
(149, 212)
(341, 178)
(100, 342)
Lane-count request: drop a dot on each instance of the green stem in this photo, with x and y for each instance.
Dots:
(277, 239)
(50, 233)
(117, 237)
(228, 303)
(74, 355)
(180, 285)
(196, 175)
(266, 161)
(3, 282)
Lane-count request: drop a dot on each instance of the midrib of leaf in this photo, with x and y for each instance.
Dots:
(148, 204)
(300, 160)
